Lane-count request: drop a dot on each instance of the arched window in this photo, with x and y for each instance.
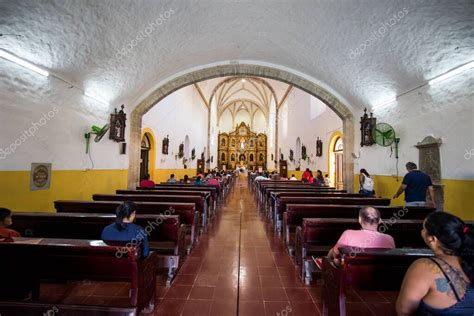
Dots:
(338, 146)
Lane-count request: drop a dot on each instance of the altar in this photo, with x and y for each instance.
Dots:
(242, 148)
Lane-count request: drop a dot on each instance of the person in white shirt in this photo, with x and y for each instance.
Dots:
(260, 177)
(293, 178)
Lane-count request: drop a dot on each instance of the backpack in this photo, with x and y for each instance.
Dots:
(368, 184)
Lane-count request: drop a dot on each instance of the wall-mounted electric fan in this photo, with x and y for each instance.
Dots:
(98, 132)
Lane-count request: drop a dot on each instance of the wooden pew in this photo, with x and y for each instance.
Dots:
(265, 190)
(199, 202)
(32, 260)
(186, 212)
(373, 269)
(318, 235)
(295, 213)
(188, 187)
(282, 202)
(279, 193)
(166, 235)
(207, 195)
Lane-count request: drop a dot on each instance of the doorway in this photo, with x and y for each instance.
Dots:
(145, 156)
(339, 164)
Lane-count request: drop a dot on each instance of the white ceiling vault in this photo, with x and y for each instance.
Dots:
(367, 51)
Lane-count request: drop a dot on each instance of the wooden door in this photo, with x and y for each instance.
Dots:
(339, 183)
(144, 162)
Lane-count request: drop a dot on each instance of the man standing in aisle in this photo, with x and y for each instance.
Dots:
(415, 184)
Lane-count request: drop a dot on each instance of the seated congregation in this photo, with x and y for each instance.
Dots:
(338, 241)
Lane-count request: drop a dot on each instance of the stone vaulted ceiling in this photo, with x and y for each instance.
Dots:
(364, 51)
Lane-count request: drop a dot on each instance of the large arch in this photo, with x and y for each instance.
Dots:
(216, 71)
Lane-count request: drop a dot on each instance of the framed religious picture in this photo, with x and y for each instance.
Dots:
(366, 125)
(319, 147)
(40, 178)
(165, 145)
(291, 155)
(117, 125)
(303, 152)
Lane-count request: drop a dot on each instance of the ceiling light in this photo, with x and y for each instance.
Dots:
(451, 73)
(385, 103)
(23, 63)
(243, 80)
(95, 98)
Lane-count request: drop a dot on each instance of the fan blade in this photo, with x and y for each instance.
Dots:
(102, 132)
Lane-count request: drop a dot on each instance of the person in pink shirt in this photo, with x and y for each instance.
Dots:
(213, 182)
(367, 237)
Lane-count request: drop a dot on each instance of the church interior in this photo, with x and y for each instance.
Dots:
(207, 157)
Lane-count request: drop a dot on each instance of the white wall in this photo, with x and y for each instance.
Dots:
(179, 114)
(55, 118)
(306, 117)
(443, 110)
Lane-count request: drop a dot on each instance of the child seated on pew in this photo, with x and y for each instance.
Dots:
(5, 221)
(442, 284)
(123, 229)
(367, 237)
(146, 182)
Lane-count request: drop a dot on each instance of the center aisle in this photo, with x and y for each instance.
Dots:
(239, 267)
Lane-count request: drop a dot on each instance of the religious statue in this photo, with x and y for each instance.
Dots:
(165, 145)
(366, 125)
(319, 147)
(181, 151)
(117, 125)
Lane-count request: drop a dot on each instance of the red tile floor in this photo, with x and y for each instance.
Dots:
(240, 267)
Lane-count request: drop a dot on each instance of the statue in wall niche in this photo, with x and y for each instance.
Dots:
(117, 125)
(319, 147)
(165, 145)
(366, 125)
(181, 151)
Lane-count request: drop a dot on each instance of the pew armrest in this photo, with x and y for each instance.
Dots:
(284, 229)
(333, 293)
(147, 270)
(180, 249)
(300, 253)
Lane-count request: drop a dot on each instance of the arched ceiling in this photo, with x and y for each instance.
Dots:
(366, 51)
(247, 94)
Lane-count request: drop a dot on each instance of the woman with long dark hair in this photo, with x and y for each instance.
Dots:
(366, 183)
(123, 229)
(444, 283)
